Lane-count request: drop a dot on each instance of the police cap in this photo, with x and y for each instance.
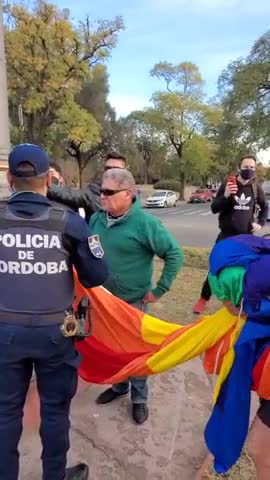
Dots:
(28, 153)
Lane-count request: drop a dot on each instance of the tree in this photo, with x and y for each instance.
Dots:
(81, 131)
(93, 99)
(48, 59)
(147, 140)
(244, 91)
(199, 155)
(179, 113)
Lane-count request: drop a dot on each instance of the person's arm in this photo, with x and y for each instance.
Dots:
(220, 203)
(90, 264)
(74, 198)
(163, 244)
(263, 204)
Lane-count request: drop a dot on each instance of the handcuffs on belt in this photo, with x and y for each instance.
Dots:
(78, 324)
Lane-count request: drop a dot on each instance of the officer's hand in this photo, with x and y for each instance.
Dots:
(256, 227)
(230, 189)
(150, 298)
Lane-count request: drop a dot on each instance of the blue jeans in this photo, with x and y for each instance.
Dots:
(55, 362)
(139, 388)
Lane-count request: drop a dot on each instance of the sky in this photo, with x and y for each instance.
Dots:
(210, 33)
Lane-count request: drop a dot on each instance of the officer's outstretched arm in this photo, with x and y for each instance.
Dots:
(86, 252)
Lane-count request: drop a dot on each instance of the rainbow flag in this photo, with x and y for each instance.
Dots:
(127, 342)
(239, 269)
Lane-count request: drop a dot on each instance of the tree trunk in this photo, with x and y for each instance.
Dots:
(146, 176)
(142, 177)
(182, 186)
(81, 168)
(31, 130)
(147, 160)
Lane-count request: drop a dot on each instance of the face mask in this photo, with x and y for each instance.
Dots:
(247, 173)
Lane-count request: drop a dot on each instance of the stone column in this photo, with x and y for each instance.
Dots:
(4, 118)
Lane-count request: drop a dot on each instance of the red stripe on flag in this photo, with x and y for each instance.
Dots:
(99, 362)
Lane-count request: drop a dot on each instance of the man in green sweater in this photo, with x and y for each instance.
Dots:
(131, 238)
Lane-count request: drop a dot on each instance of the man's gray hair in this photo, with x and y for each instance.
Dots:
(122, 177)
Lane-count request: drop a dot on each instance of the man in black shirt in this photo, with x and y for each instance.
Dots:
(85, 198)
(242, 208)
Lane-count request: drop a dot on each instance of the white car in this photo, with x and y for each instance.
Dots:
(163, 198)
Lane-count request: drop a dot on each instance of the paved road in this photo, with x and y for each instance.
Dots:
(193, 225)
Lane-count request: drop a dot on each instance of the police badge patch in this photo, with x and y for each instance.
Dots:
(95, 246)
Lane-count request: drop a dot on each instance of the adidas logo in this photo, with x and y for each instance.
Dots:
(242, 202)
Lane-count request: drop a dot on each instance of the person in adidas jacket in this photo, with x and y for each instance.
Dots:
(242, 208)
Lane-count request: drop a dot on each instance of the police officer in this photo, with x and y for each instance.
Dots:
(39, 245)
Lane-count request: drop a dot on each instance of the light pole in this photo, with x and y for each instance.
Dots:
(4, 118)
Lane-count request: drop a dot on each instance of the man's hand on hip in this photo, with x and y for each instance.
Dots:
(150, 298)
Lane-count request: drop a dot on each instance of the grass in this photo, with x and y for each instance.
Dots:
(176, 307)
(196, 257)
(243, 470)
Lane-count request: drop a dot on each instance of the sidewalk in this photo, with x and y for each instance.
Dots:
(168, 446)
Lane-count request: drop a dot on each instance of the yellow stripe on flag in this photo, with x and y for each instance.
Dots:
(192, 342)
(155, 331)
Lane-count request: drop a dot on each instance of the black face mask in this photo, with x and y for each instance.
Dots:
(247, 173)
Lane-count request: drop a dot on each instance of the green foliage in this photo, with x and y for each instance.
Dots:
(48, 62)
(168, 185)
(147, 140)
(100, 129)
(198, 157)
(244, 90)
(184, 77)
(180, 115)
(58, 97)
(78, 125)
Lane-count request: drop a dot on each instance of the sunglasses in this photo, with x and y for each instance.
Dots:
(109, 193)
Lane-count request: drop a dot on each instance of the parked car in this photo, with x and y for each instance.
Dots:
(201, 195)
(164, 198)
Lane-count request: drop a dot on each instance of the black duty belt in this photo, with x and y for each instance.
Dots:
(31, 320)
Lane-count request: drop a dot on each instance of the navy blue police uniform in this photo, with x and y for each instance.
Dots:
(39, 245)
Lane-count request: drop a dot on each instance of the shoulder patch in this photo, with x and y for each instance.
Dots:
(95, 246)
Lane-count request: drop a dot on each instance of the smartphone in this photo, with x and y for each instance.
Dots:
(232, 179)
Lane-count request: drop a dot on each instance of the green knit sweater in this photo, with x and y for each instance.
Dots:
(130, 245)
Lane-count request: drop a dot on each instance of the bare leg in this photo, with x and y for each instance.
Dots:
(258, 448)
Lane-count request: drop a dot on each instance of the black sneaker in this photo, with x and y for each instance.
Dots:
(140, 413)
(108, 396)
(78, 472)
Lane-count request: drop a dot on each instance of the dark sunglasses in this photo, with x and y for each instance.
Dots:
(109, 193)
